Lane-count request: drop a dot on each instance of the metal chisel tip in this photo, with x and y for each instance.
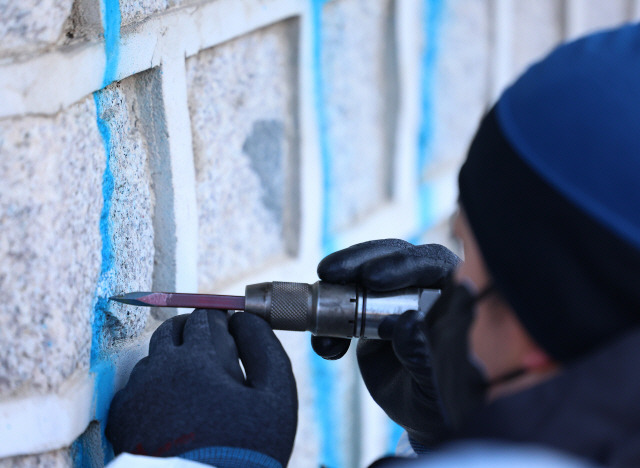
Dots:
(195, 301)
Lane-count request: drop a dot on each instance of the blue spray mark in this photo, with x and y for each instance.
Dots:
(328, 243)
(432, 22)
(111, 21)
(103, 370)
(324, 372)
(432, 25)
(395, 432)
(101, 367)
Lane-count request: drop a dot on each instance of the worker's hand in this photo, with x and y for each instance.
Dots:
(189, 397)
(397, 373)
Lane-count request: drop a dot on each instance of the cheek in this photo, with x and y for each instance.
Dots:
(490, 340)
(477, 344)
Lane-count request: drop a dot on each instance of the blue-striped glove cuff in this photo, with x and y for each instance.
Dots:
(231, 457)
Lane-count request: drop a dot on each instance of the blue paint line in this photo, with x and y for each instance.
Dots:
(328, 243)
(111, 22)
(432, 21)
(395, 432)
(103, 288)
(325, 406)
(324, 372)
(432, 24)
(427, 216)
(101, 367)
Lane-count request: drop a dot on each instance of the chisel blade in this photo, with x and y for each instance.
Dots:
(192, 301)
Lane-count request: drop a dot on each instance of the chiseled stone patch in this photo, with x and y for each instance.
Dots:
(242, 105)
(50, 202)
(130, 235)
(358, 76)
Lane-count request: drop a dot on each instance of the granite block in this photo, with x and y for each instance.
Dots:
(53, 267)
(29, 25)
(128, 237)
(459, 83)
(50, 202)
(136, 10)
(359, 86)
(242, 102)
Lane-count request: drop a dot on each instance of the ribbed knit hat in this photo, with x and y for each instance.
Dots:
(551, 188)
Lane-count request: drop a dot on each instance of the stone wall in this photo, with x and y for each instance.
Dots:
(203, 146)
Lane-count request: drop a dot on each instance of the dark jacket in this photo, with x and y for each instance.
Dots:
(590, 410)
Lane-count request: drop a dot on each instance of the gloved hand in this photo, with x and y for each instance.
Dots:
(397, 373)
(189, 396)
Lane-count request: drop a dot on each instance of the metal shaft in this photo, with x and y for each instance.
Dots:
(324, 309)
(328, 309)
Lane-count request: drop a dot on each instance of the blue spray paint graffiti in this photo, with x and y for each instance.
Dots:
(395, 432)
(101, 366)
(432, 24)
(328, 243)
(324, 373)
(111, 21)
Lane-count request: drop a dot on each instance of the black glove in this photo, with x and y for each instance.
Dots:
(190, 392)
(397, 373)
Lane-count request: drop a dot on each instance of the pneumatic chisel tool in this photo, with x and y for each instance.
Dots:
(324, 309)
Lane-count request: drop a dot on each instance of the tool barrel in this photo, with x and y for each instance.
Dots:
(285, 305)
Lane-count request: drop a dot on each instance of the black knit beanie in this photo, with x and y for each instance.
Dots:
(551, 189)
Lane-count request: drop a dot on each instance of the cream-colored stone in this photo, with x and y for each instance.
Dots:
(359, 99)
(245, 147)
(50, 202)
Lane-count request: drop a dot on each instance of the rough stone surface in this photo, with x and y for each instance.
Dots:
(245, 145)
(358, 93)
(57, 459)
(136, 10)
(538, 28)
(27, 25)
(51, 198)
(50, 201)
(128, 264)
(460, 83)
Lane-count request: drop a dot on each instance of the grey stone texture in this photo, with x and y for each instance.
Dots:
(359, 97)
(28, 25)
(131, 208)
(538, 28)
(85, 20)
(51, 198)
(246, 152)
(136, 10)
(151, 118)
(460, 84)
(56, 459)
(50, 201)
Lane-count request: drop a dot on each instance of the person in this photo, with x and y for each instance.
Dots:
(531, 354)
